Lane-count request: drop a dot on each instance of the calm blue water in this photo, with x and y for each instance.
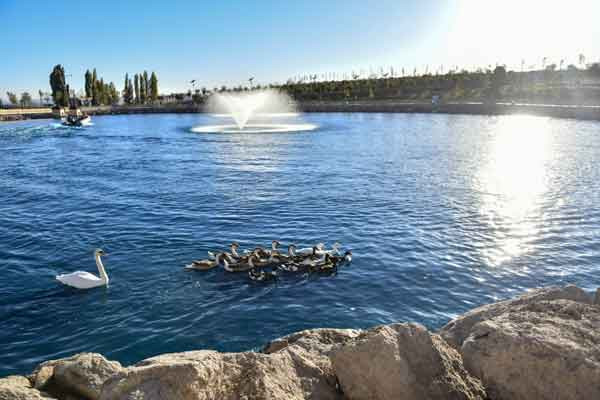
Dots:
(443, 213)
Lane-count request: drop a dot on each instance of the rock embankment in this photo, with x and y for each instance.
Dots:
(544, 344)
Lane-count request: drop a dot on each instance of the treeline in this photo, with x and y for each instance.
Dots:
(564, 85)
(24, 101)
(99, 92)
(142, 90)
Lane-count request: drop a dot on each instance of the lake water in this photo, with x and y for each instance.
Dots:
(443, 213)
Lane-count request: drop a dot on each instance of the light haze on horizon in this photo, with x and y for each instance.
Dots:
(224, 43)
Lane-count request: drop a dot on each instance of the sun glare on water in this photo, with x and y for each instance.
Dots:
(512, 183)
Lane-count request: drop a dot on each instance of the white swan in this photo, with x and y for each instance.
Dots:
(85, 280)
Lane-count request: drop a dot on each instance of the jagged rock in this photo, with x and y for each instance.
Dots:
(314, 340)
(294, 367)
(542, 350)
(457, 330)
(597, 297)
(402, 361)
(19, 388)
(82, 374)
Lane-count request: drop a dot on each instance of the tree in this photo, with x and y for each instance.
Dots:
(142, 90)
(59, 86)
(25, 99)
(146, 86)
(12, 97)
(136, 82)
(114, 95)
(98, 92)
(41, 94)
(130, 91)
(95, 92)
(153, 87)
(127, 90)
(88, 83)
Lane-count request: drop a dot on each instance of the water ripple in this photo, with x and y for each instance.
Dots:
(443, 213)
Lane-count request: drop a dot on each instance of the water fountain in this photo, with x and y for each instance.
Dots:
(258, 111)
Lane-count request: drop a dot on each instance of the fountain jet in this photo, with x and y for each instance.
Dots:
(243, 107)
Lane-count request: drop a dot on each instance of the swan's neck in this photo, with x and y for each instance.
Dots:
(101, 269)
(234, 252)
(251, 262)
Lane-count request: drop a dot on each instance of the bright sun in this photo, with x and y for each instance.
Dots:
(511, 30)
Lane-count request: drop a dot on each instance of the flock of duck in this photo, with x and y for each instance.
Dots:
(263, 264)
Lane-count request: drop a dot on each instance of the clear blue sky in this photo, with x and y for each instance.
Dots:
(225, 42)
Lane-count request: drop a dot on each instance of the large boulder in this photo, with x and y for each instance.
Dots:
(294, 367)
(82, 374)
(542, 350)
(457, 330)
(318, 341)
(19, 388)
(402, 361)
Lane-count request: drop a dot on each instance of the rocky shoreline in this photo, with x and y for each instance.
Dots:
(544, 344)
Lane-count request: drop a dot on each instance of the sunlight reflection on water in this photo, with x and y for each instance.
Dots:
(512, 182)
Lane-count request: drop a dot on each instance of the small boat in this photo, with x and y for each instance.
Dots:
(77, 120)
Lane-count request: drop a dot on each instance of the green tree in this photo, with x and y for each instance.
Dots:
(130, 91)
(25, 99)
(88, 83)
(153, 87)
(12, 97)
(59, 86)
(142, 90)
(98, 88)
(95, 91)
(146, 86)
(114, 95)
(136, 82)
(127, 92)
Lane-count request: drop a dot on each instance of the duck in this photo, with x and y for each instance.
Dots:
(234, 246)
(255, 262)
(85, 280)
(335, 250)
(326, 265)
(260, 275)
(309, 250)
(345, 259)
(312, 259)
(203, 265)
(242, 264)
(280, 258)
